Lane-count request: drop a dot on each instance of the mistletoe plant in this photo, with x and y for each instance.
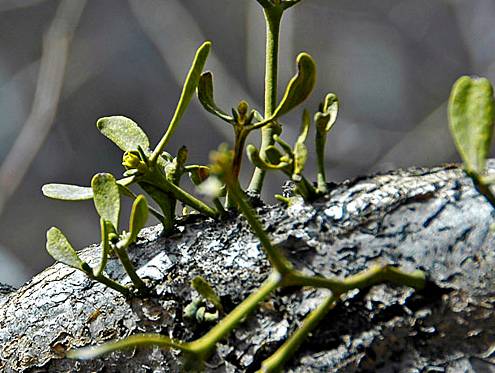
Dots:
(159, 174)
(106, 197)
(283, 275)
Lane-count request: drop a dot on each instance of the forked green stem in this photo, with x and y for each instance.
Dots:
(204, 345)
(273, 18)
(370, 277)
(276, 362)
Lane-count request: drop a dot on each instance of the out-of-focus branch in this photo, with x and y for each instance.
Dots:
(56, 44)
(6, 5)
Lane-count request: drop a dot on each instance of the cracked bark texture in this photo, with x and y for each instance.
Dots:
(431, 219)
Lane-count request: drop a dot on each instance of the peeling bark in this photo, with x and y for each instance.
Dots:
(432, 219)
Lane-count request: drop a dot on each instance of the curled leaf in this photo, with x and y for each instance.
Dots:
(206, 291)
(471, 118)
(124, 132)
(106, 198)
(205, 95)
(255, 158)
(300, 86)
(326, 117)
(139, 216)
(61, 250)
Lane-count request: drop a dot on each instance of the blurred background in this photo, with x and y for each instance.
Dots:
(64, 64)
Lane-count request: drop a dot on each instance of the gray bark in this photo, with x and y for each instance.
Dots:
(431, 219)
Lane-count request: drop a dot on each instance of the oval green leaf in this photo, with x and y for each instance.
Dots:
(471, 118)
(205, 96)
(67, 192)
(139, 216)
(124, 132)
(61, 250)
(106, 198)
(299, 87)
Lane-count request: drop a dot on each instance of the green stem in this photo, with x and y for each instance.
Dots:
(143, 340)
(219, 206)
(306, 189)
(482, 187)
(320, 158)
(129, 268)
(370, 277)
(275, 256)
(204, 345)
(159, 180)
(276, 362)
(273, 17)
(112, 284)
(164, 200)
(240, 141)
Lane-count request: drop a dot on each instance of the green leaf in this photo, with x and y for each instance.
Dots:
(188, 90)
(124, 132)
(205, 95)
(139, 216)
(325, 119)
(67, 192)
(255, 158)
(62, 251)
(299, 87)
(206, 291)
(471, 118)
(300, 158)
(300, 149)
(106, 198)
